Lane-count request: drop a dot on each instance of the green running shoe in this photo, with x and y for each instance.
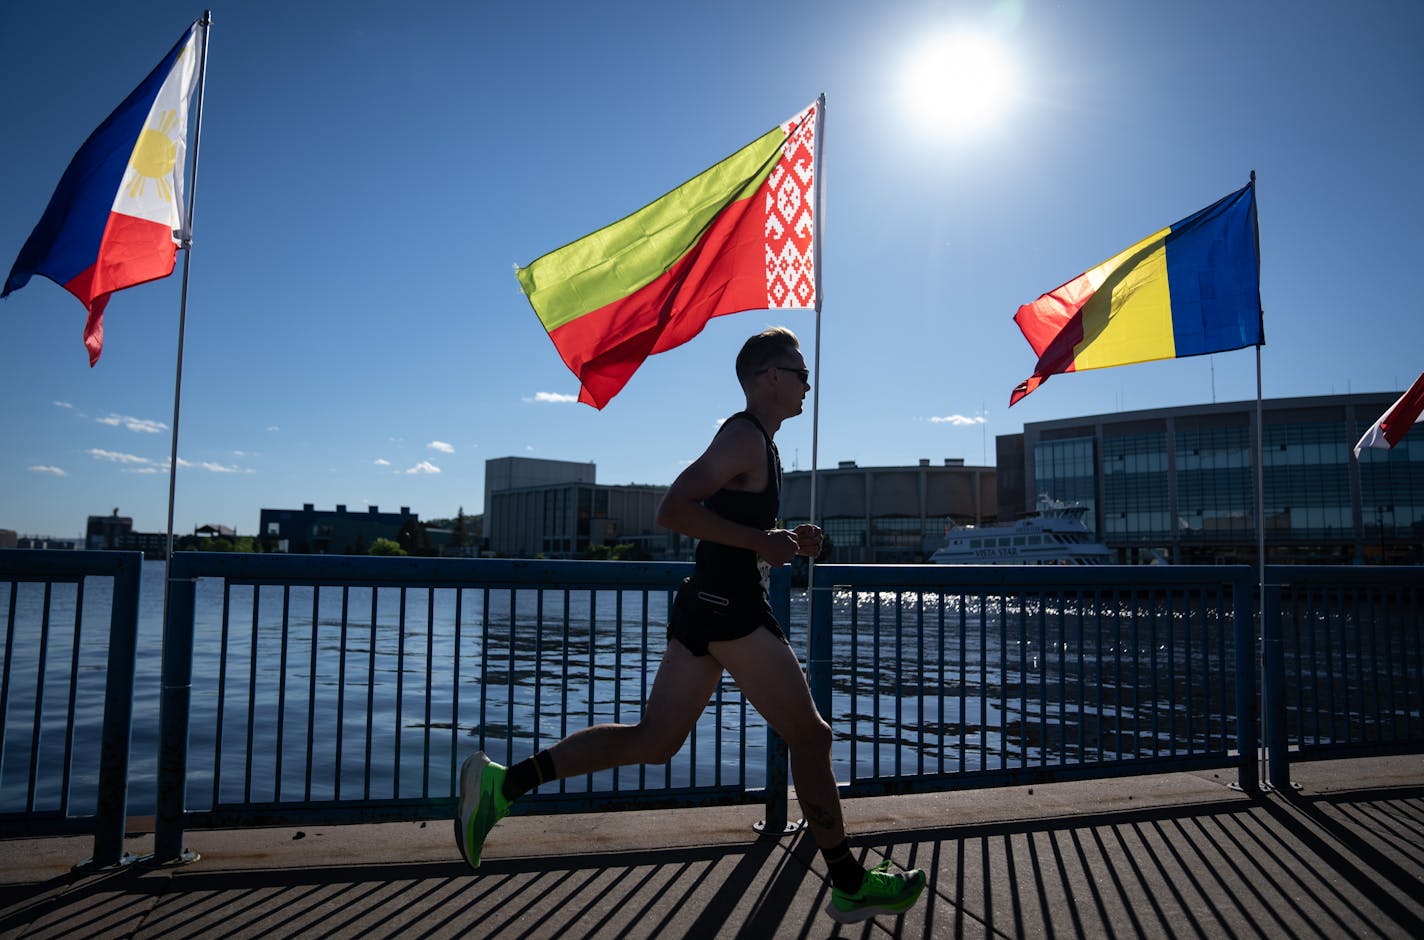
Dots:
(882, 892)
(481, 805)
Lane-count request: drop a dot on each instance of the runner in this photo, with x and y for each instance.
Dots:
(728, 499)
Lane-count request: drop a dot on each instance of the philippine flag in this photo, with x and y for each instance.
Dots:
(117, 217)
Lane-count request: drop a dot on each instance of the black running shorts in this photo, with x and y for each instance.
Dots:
(700, 616)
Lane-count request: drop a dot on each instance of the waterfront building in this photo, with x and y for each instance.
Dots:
(890, 515)
(116, 533)
(555, 509)
(519, 473)
(312, 531)
(104, 532)
(1178, 484)
(47, 542)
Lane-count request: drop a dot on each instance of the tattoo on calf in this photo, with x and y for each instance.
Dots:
(819, 816)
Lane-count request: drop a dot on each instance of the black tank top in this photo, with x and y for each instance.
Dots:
(737, 569)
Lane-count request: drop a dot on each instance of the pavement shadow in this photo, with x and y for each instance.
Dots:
(1367, 837)
(1346, 864)
(1263, 867)
(685, 891)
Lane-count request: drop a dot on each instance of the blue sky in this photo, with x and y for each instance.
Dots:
(371, 172)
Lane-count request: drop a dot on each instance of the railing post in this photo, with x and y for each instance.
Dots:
(177, 682)
(1247, 743)
(818, 671)
(777, 775)
(1273, 693)
(111, 813)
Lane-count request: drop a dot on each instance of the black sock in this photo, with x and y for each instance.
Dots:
(846, 873)
(528, 774)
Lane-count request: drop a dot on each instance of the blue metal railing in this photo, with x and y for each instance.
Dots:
(345, 689)
(947, 677)
(1347, 663)
(314, 688)
(46, 589)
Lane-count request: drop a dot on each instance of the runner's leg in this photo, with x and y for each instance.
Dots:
(767, 672)
(683, 685)
(680, 692)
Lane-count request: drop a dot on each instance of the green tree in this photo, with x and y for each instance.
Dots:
(386, 547)
(413, 539)
(623, 551)
(459, 539)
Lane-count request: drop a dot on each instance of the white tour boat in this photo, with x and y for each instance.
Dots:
(1054, 535)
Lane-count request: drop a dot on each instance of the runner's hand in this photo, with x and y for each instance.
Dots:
(778, 547)
(808, 540)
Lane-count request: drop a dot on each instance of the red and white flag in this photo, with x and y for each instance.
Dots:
(1396, 422)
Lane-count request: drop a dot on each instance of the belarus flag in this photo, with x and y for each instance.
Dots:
(116, 218)
(1396, 422)
(741, 235)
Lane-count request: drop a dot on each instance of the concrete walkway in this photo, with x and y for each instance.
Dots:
(1177, 855)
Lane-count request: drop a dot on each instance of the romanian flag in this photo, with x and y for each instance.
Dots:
(1191, 288)
(117, 215)
(1396, 422)
(740, 236)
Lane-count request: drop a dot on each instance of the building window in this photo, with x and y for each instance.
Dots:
(1135, 493)
(1064, 472)
(1215, 486)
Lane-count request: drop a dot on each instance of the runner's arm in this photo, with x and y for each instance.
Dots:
(737, 454)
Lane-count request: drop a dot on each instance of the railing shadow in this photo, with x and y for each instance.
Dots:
(1346, 831)
(1301, 866)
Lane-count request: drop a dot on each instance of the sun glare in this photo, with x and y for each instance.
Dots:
(960, 82)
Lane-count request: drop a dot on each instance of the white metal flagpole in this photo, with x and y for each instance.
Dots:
(820, 208)
(1260, 539)
(186, 240)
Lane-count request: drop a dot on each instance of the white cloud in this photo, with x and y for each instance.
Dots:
(61, 404)
(43, 468)
(117, 457)
(136, 464)
(424, 466)
(441, 446)
(959, 421)
(142, 425)
(273, 427)
(381, 462)
(552, 397)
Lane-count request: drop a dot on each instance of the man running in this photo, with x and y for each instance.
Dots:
(721, 618)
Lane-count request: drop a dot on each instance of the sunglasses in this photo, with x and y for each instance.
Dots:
(803, 374)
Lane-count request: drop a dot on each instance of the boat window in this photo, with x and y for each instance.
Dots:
(1018, 540)
(1035, 540)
